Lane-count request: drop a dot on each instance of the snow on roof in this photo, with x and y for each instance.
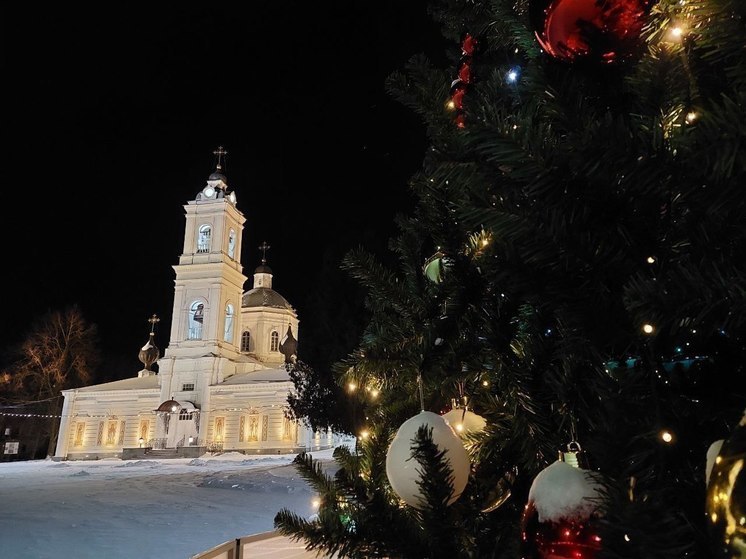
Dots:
(263, 375)
(138, 383)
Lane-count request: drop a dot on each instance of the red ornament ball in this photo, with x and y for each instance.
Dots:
(600, 30)
(566, 539)
(560, 519)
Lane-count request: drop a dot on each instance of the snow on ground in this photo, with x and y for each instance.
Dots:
(138, 509)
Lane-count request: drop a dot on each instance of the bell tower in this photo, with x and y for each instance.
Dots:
(204, 339)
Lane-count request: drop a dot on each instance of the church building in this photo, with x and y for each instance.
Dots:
(222, 383)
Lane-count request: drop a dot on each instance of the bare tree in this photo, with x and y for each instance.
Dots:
(59, 352)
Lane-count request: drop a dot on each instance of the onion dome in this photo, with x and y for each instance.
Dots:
(149, 353)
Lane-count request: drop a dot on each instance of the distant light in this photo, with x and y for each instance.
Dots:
(648, 328)
(651, 260)
(666, 436)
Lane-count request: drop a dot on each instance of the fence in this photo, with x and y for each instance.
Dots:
(267, 545)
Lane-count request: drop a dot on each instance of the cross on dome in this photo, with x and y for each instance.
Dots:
(219, 156)
(264, 247)
(153, 321)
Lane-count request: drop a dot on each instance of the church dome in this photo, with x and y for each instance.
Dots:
(169, 406)
(263, 269)
(264, 297)
(217, 176)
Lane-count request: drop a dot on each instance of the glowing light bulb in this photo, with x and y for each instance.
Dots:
(351, 386)
(666, 436)
(648, 328)
(691, 117)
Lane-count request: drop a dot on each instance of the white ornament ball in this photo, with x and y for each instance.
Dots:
(404, 471)
(564, 492)
(464, 421)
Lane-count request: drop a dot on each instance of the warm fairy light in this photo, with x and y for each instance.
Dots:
(648, 328)
(666, 436)
(651, 260)
(450, 105)
(374, 393)
(626, 538)
(351, 386)
(718, 459)
(485, 383)
(691, 116)
(459, 427)
(315, 503)
(485, 242)
(364, 434)
(676, 33)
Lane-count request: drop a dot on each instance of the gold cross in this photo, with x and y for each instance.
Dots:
(153, 321)
(219, 153)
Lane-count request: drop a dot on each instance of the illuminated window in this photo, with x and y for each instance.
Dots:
(203, 240)
(232, 243)
(196, 318)
(228, 328)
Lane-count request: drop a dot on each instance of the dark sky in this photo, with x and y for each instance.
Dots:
(111, 117)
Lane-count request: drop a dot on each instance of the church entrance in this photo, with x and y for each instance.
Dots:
(178, 424)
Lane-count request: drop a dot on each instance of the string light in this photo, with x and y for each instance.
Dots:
(648, 328)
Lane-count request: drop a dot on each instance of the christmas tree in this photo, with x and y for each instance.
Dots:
(569, 294)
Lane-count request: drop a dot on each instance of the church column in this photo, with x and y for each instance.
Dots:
(63, 437)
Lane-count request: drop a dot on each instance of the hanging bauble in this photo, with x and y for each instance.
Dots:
(435, 267)
(464, 72)
(501, 492)
(464, 421)
(605, 32)
(404, 471)
(559, 521)
(726, 497)
(468, 45)
(457, 97)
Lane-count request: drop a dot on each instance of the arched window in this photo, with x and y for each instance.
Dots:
(196, 319)
(203, 241)
(274, 341)
(228, 328)
(245, 340)
(232, 243)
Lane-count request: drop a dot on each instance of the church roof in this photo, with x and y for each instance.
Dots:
(253, 377)
(139, 383)
(264, 297)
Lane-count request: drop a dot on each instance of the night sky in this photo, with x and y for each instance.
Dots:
(110, 120)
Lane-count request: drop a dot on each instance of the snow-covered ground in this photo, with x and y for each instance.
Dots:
(138, 509)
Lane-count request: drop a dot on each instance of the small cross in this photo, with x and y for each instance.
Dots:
(219, 153)
(153, 321)
(264, 247)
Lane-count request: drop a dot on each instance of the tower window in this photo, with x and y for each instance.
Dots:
(196, 318)
(187, 387)
(274, 341)
(203, 241)
(232, 243)
(228, 328)
(246, 341)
